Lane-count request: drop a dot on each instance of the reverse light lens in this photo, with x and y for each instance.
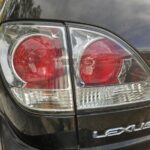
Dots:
(34, 61)
(108, 72)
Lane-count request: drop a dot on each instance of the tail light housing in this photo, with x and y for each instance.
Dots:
(34, 61)
(35, 65)
(108, 72)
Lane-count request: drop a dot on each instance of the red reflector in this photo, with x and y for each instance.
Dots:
(101, 63)
(37, 61)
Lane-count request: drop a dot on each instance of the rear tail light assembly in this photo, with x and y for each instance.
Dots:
(35, 65)
(108, 71)
(34, 61)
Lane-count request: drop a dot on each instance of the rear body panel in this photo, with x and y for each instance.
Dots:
(128, 19)
(109, 120)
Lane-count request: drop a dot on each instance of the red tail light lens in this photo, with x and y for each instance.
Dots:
(101, 63)
(38, 61)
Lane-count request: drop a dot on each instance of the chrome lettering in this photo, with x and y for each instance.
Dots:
(121, 130)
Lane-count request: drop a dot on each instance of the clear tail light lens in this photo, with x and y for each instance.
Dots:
(34, 61)
(107, 71)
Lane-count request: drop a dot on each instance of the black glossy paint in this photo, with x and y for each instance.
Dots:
(130, 19)
(9, 140)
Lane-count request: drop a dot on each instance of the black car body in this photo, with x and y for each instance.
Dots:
(22, 129)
